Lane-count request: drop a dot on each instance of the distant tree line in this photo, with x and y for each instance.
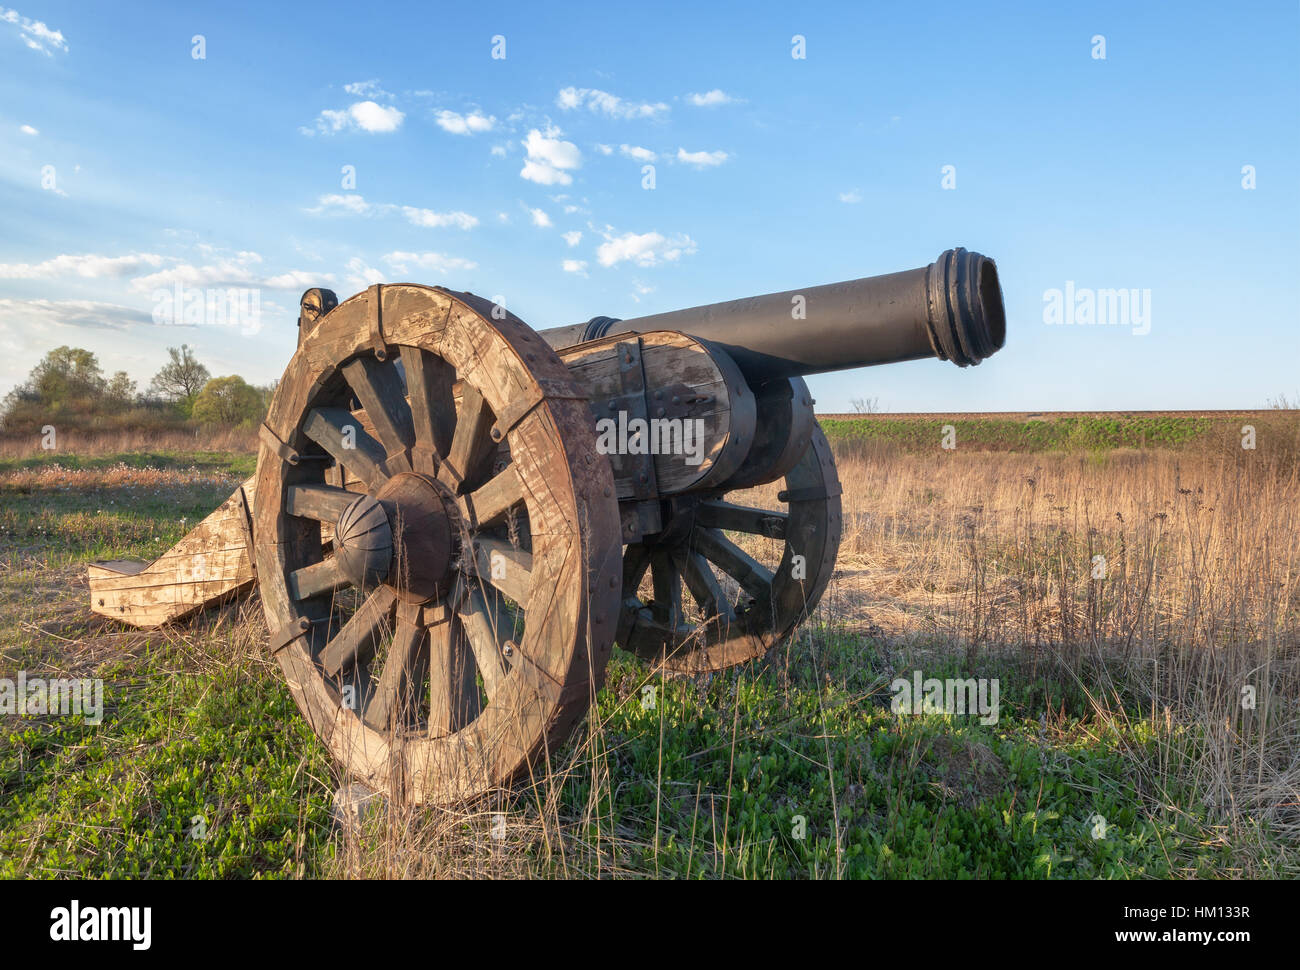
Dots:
(68, 389)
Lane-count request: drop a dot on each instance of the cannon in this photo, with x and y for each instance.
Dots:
(455, 517)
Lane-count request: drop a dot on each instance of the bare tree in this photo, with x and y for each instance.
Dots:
(866, 405)
(181, 378)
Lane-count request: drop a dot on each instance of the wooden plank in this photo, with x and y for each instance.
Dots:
(472, 447)
(395, 700)
(355, 643)
(343, 437)
(324, 503)
(490, 502)
(453, 693)
(379, 389)
(210, 564)
(429, 386)
(740, 518)
(486, 635)
(754, 578)
(505, 567)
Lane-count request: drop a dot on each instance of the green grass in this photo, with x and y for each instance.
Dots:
(1083, 433)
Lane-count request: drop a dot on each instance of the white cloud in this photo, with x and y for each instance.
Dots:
(637, 152)
(230, 269)
(710, 99)
(850, 197)
(499, 151)
(353, 203)
(297, 279)
(605, 149)
(575, 266)
(373, 117)
(366, 89)
(639, 290)
(468, 124)
(34, 33)
(503, 217)
(572, 237)
(602, 102)
(540, 218)
(431, 219)
(549, 157)
(28, 130)
(363, 276)
(644, 249)
(70, 313)
(400, 262)
(357, 205)
(362, 116)
(701, 159)
(86, 265)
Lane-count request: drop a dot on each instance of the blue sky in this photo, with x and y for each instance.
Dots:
(771, 173)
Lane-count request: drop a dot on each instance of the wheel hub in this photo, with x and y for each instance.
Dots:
(422, 542)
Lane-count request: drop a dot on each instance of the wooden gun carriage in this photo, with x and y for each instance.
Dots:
(455, 517)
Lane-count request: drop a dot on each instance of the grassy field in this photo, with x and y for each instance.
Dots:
(1123, 748)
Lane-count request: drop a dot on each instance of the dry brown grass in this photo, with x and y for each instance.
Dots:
(98, 443)
(993, 555)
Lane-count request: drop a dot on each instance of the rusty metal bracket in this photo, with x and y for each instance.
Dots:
(284, 636)
(548, 389)
(374, 306)
(631, 374)
(272, 441)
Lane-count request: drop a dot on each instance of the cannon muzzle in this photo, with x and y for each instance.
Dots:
(951, 309)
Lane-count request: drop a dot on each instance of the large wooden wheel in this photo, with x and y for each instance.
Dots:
(744, 603)
(459, 623)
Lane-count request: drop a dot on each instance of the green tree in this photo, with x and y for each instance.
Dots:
(68, 380)
(229, 401)
(119, 392)
(181, 378)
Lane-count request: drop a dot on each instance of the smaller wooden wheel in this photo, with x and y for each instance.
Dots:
(745, 602)
(459, 623)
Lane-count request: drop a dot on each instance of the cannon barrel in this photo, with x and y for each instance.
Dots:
(951, 309)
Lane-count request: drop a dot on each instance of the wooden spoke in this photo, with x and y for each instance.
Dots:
(754, 578)
(704, 586)
(486, 637)
(334, 429)
(453, 694)
(324, 503)
(505, 567)
(492, 501)
(396, 697)
(636, 559)
(667, 606)
(379, 389)
(472, 446)
(320, 577)
(355, 643)
(740, 518)
(429, 381)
